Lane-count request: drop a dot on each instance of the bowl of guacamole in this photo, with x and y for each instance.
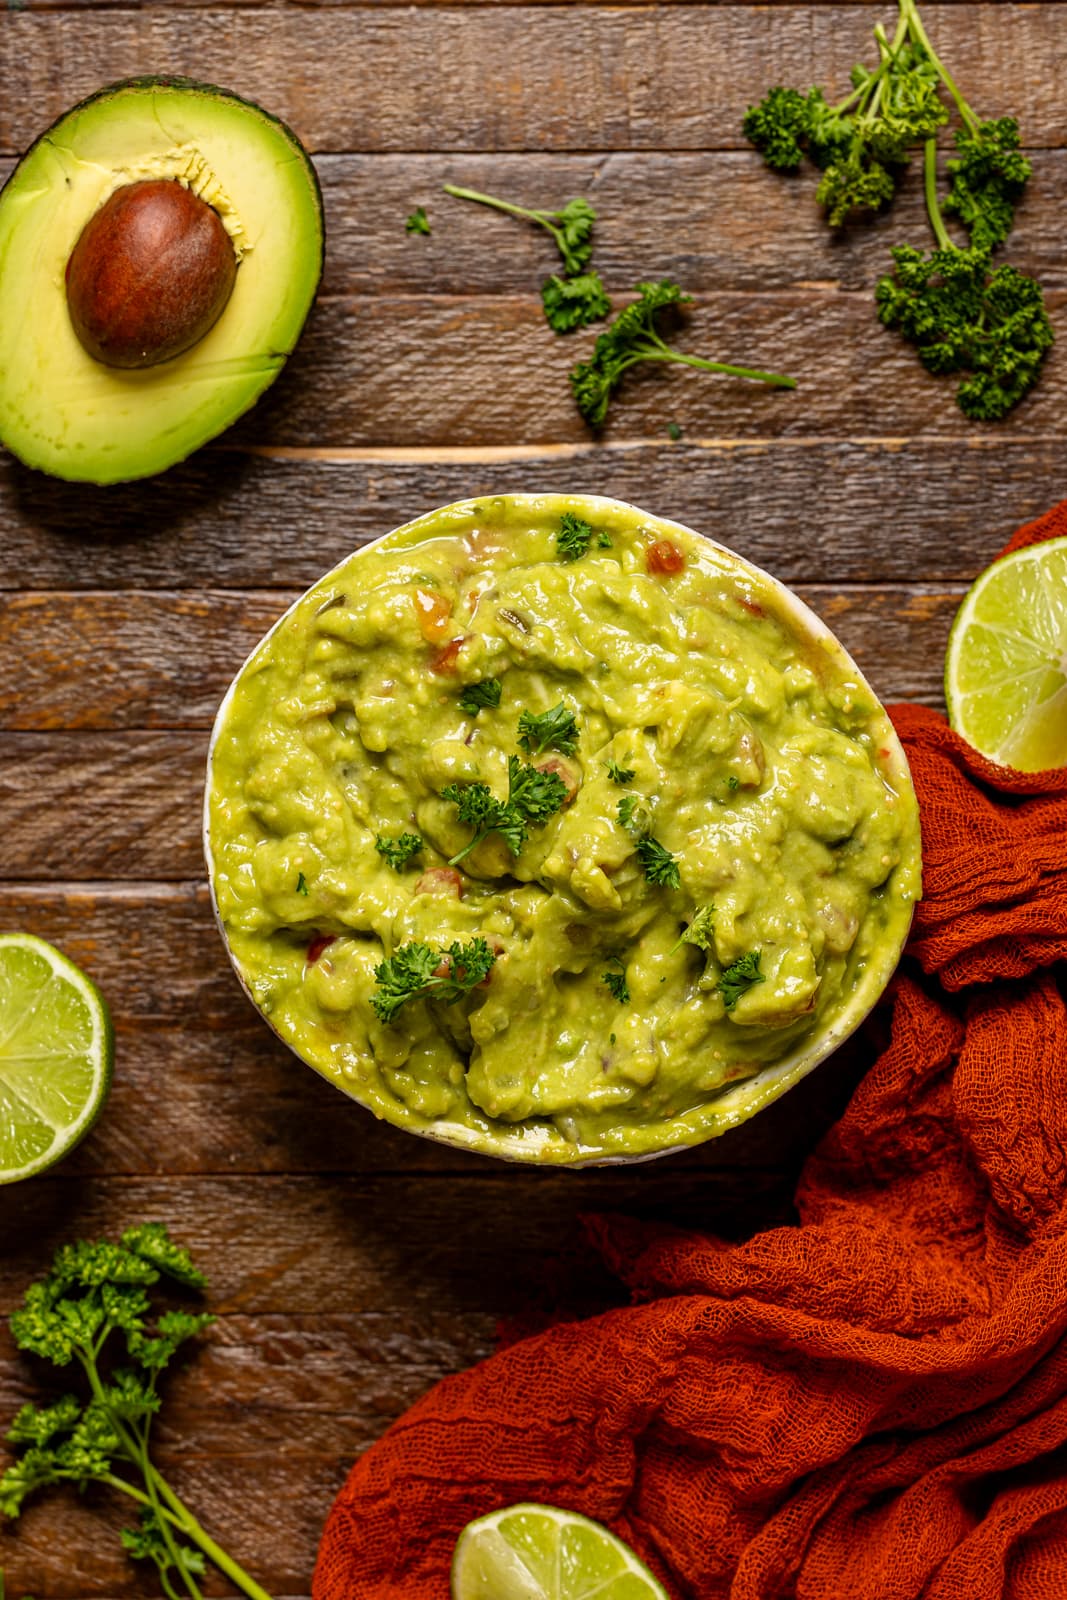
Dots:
(553, 830)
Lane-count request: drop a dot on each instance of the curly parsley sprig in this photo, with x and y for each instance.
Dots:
(578, 297)
(415, 972)
(634, 337)
(533, 796)
(658, 864)
(399, 851)
(739, 977)
(94, 1299)
(962, 314)
(548, 730)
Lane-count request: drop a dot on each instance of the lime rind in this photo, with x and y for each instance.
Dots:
(538, 1552)
(56, 1052)
(1006, 663)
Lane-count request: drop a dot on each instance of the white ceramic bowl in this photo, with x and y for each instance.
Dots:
(741, 1100)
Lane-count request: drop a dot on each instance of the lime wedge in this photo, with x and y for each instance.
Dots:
(531, 1552)
(56, 1049)
(1006, 668)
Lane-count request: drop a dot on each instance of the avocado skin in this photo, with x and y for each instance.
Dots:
(187, 86)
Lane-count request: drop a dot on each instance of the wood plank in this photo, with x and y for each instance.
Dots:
(301, 1247)
(614, 77)
(88, 660)
(433, 371)
(831, 511)
(897, 633)
(878, 7)
(711, 220)
(428, 370)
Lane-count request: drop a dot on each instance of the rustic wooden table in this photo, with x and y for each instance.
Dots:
(353, 1266)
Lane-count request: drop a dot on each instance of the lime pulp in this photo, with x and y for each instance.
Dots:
(56, 1051)
(1006, 666)
(535, 1552)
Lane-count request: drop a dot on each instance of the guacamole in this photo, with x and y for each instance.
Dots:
(549, 828)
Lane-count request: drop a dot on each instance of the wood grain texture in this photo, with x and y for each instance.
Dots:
(514, 77)
(431, 371)
(828, 511)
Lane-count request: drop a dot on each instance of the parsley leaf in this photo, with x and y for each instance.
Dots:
(571, 303)
(738, 978)
(988, 176)
(418, 222)
(301, 884)
(574, 537)
(414, 972)
(616, 982)
(633, 337)
(964, 316)
(635, 815)
(701, 929)
(477, 696)
(548, 730)
(533, 797)
(620, 775)
(660, 866)
(399, 851)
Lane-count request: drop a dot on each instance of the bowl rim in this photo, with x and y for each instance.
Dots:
(748, 1096)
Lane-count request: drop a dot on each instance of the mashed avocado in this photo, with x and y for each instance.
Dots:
(716, 893)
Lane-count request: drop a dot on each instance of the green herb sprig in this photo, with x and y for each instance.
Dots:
(399, 851)
(481, 696)
(738, 978)
(578, 297)
(659, 865)
(634, 337)
(620, 775)
(418, 222)
(532, 798)
(616, 982)
(962, 314)
(575, 537)
(94, 1301)
(414, 972)
(548, 730)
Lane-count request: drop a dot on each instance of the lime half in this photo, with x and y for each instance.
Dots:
(1006, 668)
(56, 1049)
(531, 1552)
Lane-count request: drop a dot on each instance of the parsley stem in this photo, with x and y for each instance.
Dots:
(911, 12)
(179, 1515)
(937, 221)
(136, 1451)
(214, 1552)
(776, 379)
(527, 215)
(454, 861)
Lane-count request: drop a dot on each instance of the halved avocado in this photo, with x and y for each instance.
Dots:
(68, 413)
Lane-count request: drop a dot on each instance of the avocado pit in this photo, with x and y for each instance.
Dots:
(150, 274)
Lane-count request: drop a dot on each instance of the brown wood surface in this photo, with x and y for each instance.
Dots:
(352, 1266)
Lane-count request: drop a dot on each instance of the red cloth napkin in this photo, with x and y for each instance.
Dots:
(870, 1405)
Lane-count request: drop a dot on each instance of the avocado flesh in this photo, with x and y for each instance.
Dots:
(72, 416)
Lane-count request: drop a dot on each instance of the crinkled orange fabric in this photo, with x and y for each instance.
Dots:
(871, 1405)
